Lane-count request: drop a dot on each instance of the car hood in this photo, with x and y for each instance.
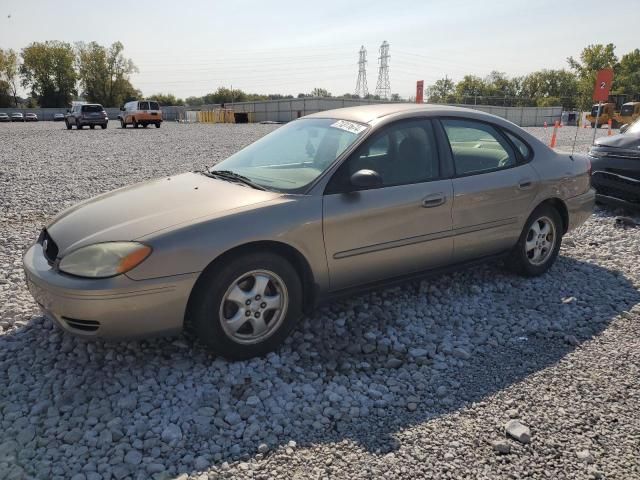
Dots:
(138, 210)
(622, 140)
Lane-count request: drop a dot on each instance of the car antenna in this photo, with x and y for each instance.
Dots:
(575, 137)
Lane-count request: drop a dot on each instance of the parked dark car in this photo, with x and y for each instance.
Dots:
(31, 117)
(616, 168)
(90, 114)
(4, 117)
(17, 117)
(58, 117)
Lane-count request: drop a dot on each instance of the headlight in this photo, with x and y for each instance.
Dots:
(104, 259)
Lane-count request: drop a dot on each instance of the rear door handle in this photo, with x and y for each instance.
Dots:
(434, 200)
(525, 183)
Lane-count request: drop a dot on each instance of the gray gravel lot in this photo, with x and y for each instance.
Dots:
(418, 381)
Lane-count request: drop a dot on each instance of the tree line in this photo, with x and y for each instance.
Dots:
(571, 88)
(57, 72)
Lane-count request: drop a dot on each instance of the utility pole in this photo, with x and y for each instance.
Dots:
(361, 85)
(383, 87)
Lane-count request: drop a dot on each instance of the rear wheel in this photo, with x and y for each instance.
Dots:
(539, 243)
(135, 123)
(157, 124)
(78, 125)
(144, 125)
(247, 306)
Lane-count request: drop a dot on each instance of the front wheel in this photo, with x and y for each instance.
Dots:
(247, 306)
(135, 123)
(122, 124)
(539, 243)
(68, 125)
(92, 127)
(157, 124)
(103, 126)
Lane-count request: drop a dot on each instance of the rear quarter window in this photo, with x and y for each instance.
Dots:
(154, 106)
(522, 147)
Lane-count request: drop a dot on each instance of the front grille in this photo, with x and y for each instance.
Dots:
(618, 186)
(83, 325)
(49, 247)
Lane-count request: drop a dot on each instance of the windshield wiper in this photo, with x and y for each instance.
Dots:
(229, 175)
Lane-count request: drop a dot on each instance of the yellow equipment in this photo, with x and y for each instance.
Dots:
(607, 111)
(629, 113)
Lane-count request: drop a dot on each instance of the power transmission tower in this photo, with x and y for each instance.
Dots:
(383, 87)
(361, 85)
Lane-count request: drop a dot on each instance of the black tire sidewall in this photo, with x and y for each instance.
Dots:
(213, 284)
(519, 261)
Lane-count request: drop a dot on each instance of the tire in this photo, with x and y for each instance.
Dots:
(135, 124)
(209, 312)
(68, 125)
(103, 126)
(145, 125)
(122, 124)
(531, 262)
(92, 126)
(157, 124)
(79, 125)
(593, 125)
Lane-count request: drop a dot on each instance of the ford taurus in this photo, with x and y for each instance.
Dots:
(332, 202)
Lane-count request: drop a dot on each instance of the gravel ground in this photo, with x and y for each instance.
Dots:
(423, 380)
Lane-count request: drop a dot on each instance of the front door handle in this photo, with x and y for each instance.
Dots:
(525, 183)
(434, 200)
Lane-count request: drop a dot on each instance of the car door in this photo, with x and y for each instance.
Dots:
(493, 188)
(402, 225)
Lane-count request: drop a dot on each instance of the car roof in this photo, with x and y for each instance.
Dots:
(371, 113)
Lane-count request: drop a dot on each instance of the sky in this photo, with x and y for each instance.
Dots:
(190, 48)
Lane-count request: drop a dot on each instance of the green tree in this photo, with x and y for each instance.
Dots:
(9, 69)
(592, 58)
(320, 92)
(104, 74)
(47, 68)
(5, 94)
(167, 99)
(442, 91)
(193, 101)
(551, 87)
(627, 74)
(469, 88)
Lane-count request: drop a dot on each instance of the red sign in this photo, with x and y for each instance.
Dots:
(420, 91)
(604, 79)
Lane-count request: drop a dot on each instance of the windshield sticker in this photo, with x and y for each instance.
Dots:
(349, 126)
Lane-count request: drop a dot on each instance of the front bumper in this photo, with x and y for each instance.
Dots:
(115, 308)
(580, 208)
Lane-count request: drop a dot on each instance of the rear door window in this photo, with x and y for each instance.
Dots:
(143, 105)
(477, 147)
(154, 106)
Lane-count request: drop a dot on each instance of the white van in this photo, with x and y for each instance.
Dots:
(140, 112)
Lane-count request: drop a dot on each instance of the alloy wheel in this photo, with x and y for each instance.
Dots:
(254, 306)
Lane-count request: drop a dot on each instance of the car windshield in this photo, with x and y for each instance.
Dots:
(294, 155)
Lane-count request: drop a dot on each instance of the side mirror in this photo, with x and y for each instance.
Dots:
(624, 128)
(122, 109)
(68, 110)
(366, 178)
